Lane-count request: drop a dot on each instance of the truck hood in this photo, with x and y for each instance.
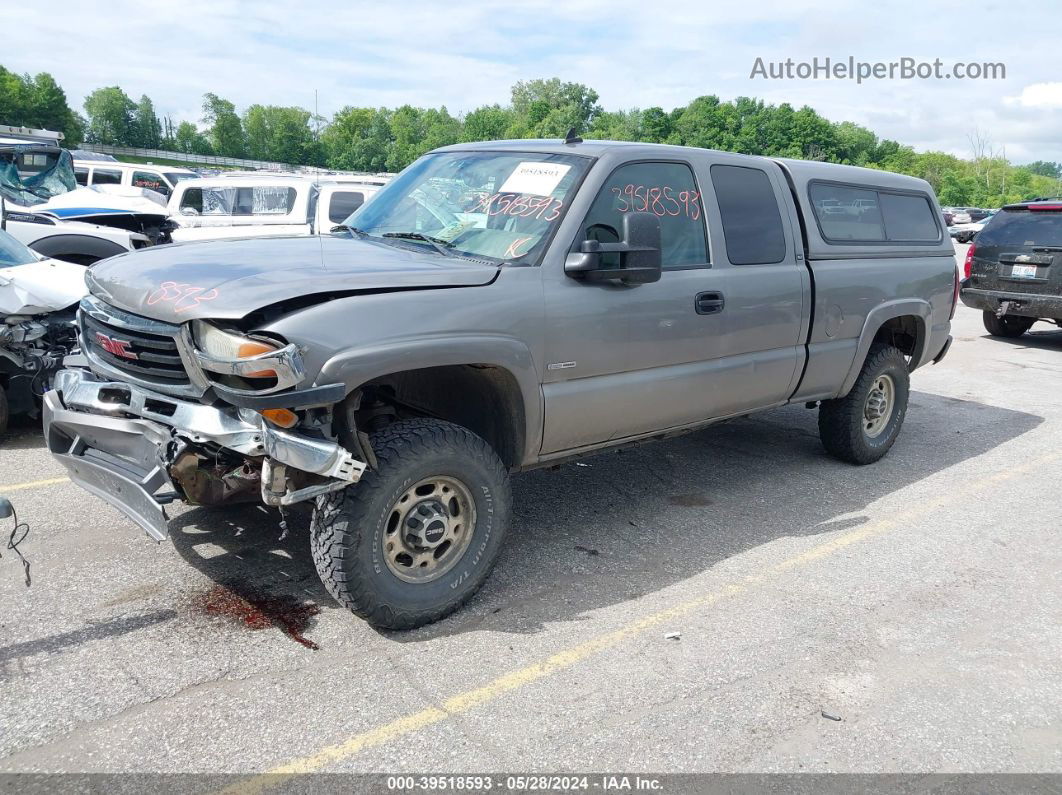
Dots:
(102, 200)
(228, 279)
(38, 288)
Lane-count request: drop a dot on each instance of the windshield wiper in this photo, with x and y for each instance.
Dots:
(352, 229)
(442, 246)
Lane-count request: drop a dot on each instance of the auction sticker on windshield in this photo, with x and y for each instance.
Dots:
(535, 179)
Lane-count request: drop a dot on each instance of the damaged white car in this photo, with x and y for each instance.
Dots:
(46, 209)
(38, 302)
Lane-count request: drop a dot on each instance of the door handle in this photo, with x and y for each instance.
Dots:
(710, 303)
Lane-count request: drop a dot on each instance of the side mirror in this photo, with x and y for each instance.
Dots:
(639, 254)
(189, 211)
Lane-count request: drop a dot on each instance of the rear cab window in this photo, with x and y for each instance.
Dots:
(748, 207)
(857, 214)
(343, 203)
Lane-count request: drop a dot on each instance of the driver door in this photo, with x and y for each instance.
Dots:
(621, 360)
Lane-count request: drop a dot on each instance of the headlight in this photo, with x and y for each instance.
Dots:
(243, 364)
(226, 346)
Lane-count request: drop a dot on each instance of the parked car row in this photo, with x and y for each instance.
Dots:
(86, 208)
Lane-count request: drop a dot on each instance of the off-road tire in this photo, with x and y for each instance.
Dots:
(4, 413)
(348, 529)
(1013, 326)
(842, 421)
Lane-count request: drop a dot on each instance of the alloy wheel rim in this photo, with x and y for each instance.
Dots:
(428, 529)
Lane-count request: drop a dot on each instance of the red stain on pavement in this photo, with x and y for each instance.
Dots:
(260, 611)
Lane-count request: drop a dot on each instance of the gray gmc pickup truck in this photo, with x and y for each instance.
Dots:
(497, 307)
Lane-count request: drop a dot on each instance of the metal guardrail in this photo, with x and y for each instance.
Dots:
(208, 160)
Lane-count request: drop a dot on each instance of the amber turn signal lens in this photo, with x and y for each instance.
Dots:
(254, 348)
(285, 418)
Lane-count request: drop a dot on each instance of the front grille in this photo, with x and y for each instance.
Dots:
(140, 347)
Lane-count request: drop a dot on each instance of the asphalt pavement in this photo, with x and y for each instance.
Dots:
(900, 617)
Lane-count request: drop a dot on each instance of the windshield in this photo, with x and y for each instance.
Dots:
(12, 252)
(34, 181)
(495, 205)
(176, 176)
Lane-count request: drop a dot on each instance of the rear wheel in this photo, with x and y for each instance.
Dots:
(862, 426)
(1013, 326)
(417, 536)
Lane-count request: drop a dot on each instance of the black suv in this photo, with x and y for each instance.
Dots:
(1013, 270)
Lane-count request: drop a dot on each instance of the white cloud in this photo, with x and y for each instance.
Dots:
(636, 54)
(1039, 95)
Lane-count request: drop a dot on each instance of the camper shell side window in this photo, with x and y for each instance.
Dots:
(848, 214)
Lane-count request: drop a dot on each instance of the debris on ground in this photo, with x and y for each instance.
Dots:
(673, 636)
(587, 550)
(828, 716)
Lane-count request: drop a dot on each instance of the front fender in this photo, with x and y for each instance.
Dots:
(358, 365)
(919, 308)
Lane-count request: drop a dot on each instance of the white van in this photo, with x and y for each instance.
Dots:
(263, 205)
(162, 179)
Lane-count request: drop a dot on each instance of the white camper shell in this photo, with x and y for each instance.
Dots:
(263, 206)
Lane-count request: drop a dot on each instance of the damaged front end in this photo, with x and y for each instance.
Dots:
(144, 426)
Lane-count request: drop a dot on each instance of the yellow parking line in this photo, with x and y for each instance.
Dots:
(32, 484)
(569, 657)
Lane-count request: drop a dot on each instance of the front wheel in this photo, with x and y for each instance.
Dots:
(1012, 326)
(861, 427)
(416, 537)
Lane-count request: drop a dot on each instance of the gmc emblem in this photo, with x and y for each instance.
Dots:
(115, 347)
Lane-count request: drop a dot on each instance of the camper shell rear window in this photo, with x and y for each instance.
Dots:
(848, 214)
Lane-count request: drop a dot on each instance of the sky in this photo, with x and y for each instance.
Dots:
(463, 54)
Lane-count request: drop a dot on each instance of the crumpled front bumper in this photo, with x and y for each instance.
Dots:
(117, 439)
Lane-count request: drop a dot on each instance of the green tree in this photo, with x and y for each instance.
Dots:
(1045, 169)
(856, 145)
(14, 98)
(110, 117)
(656, 125)
(146, 125)
(358, 139)
(549, 108)
(619, 125)
(487, 123)
(187, 138)
(38, 102)
(279, 133)
(225, 130)
(339, 138)
(50, 110)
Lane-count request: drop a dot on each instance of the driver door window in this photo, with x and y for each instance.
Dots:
(668, 191)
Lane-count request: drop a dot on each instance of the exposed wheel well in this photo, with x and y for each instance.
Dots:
(904, 332)
(483, 398)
